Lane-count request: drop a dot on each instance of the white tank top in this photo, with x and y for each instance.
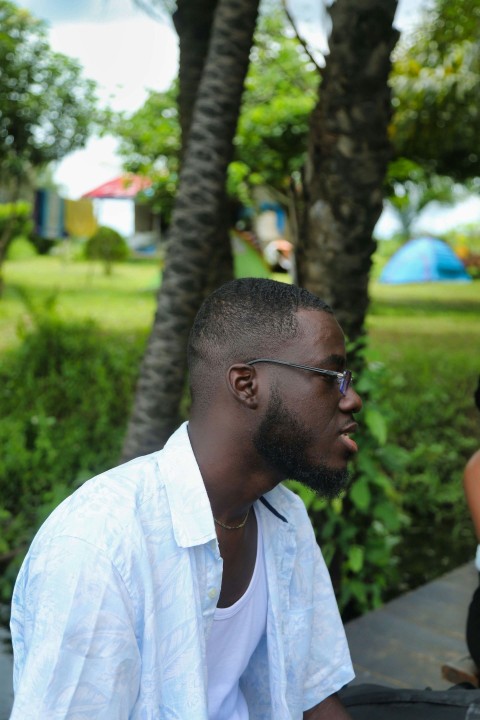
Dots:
(235, 634)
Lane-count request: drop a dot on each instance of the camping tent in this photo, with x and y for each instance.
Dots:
(424, 259)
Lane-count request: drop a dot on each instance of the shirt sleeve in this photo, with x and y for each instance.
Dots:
(76, 653)
(329, 664)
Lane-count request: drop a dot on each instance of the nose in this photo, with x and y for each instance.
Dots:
(351, 402)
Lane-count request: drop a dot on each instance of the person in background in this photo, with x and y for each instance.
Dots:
(188, 584)
(471, 484)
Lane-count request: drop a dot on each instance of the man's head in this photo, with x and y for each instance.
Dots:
(243, 319)
(295, 419)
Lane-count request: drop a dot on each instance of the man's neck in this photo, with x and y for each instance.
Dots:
(232, 473)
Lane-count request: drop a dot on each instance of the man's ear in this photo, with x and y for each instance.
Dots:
(242, 381)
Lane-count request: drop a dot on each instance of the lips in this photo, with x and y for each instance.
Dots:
(347, 440)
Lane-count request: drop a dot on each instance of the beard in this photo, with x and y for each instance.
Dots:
(282, 441)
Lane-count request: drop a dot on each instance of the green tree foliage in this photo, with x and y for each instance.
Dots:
(14, 220)
(437, 93)
(280, 93)
(410, 188)
(46, 106)
(16, 217)
(108, 246)
(150, 143)
(436, 124)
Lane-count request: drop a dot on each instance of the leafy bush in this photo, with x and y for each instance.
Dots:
(43, 245)
(65, 395)
(108, 246)
(21, 249)
(359, 532)
(17, 216)
(14, 221)
(437, 426)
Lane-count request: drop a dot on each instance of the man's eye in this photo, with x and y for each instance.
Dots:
(330, 378)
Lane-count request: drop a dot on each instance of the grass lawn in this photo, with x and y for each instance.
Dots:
(124, 301)
(429, 336)
(432, 330)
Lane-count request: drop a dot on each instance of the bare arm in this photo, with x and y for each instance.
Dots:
(471, 484)
(329, 709)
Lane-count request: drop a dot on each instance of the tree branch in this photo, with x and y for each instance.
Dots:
(300, 39)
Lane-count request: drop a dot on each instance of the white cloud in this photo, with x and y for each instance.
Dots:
(125, 56)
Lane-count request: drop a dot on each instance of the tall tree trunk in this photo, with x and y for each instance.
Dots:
(348, 153)
(347, 158)
(193, 22)
(198, 205)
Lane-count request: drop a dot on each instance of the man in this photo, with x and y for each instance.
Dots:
(188, 584)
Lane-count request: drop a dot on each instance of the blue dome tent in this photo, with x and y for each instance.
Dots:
(424, 259)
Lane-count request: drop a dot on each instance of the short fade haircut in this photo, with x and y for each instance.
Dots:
(243, 320)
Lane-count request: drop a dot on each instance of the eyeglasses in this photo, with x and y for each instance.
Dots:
(344, 379)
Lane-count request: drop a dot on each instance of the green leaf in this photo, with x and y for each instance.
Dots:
(360, 494)
(389, 515)
(355, 558)
(377, 425)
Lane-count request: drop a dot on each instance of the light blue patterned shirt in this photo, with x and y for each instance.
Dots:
(115, 600)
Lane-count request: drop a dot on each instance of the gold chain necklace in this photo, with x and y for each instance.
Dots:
(233, 527)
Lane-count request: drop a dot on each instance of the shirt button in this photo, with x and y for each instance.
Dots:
(212, 592)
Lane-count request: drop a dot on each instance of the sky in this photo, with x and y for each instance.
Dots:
(128, 53)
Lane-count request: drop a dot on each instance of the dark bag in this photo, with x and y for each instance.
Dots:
(376, 702)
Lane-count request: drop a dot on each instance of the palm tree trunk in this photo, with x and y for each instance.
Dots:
(193, 23)
(348, 153)
(193, 230)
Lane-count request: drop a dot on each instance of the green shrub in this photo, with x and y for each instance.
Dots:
(359, 532)
(108, 246)
(18, 216)
(65, 396)
(43, 245)
(15, 220)
(437, 426)
(21, 249)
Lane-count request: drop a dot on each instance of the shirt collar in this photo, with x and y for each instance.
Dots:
(192, 518)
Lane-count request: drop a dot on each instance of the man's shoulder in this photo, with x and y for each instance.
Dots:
(126, 487)
(129, 484)
(110, 504)
(118, 507)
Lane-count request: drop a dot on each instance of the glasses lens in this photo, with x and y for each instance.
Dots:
(345, 382)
